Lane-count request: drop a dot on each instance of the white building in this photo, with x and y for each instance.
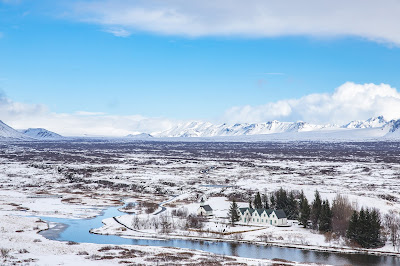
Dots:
(205, 210)
(263, 216)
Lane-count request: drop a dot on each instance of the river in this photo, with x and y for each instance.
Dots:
(77, 230)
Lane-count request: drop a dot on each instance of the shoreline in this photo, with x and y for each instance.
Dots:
(149, 236)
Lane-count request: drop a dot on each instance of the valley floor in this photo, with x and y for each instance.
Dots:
(78, 180)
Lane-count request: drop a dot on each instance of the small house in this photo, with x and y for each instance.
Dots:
(205, 210)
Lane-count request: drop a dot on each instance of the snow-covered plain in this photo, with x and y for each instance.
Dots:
(78, 179)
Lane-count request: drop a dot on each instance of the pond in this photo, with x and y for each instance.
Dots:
(77, 230)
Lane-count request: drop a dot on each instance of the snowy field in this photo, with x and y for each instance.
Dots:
(79, 179)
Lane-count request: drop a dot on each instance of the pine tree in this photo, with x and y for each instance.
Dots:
(265, 200)
(375, 228)
(301, 198)
(292, 209)
(316, 210)
(325, 218)
(272, 200)
(281, 199)
(257, 201)
(250, 204)
(352, 229)
(304, 212)
(233, 213)
(364, 228)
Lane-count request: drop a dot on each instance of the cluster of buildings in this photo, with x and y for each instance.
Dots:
(251, 216)
(263, 216)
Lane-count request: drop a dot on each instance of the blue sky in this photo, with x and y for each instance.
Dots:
(68, 61)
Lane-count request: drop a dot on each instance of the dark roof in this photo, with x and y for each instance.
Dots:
(242, 210)
(206, 208)
(280, 214)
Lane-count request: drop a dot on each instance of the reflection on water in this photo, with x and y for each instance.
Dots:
(77, 230)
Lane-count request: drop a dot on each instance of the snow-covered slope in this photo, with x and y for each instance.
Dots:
(8, 133)
(206, 129)
(41, 134)
(378, 126)
(393, 128)
(369, 123)
(139, 136)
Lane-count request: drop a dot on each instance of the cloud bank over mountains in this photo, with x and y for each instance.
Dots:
(370, 19)
(348, 102)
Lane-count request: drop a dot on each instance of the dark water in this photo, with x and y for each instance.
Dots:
(77, 230)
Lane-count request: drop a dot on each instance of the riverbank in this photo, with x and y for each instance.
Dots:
(20, 243)
(112, 226)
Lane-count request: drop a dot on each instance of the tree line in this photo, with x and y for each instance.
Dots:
(340, 217)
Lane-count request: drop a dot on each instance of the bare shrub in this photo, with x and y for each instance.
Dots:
(165, 224)
(4, 252)
(342, 210)
(149, 207)
(238, 236)
(37, 240)
(23, 251)
(82, 253)
(181, 212)
(392, 226)
(194, 221)
(94, 257)
(265, 237)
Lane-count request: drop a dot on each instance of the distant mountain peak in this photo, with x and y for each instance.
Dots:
(140, 136)
(372, 122)
(8, 133)
(41, 134)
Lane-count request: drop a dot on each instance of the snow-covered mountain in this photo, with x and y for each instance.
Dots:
(8, 133)
(369, 123)
(206, 129)
(372, 128)
(375, 127)
(41, 134)
(393, 128)
(140, 136)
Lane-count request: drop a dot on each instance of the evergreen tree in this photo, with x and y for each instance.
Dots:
(325, 218)
(233, 213)
(316, 210)
(301, 198)
(272, 200)
(281, 199)
(352, 229)
(250, 205)
(375, 228)
(292, 208)
(364, 228)
(304, 212)
(265, 200)
(257, 201)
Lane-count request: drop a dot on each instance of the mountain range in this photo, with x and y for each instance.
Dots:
(372, 128)
(206, 129)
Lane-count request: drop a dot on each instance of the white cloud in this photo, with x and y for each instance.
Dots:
(371, 19)
(22, 116)
(118, 32)
(348, 102)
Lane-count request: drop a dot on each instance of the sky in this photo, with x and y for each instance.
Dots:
(124, 67)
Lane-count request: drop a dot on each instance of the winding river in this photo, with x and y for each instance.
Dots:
(77, 230)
